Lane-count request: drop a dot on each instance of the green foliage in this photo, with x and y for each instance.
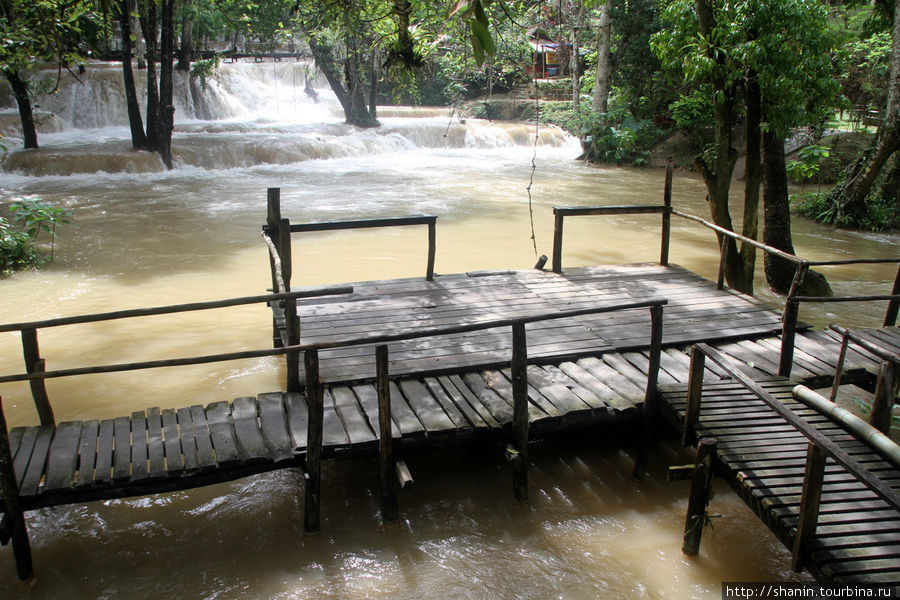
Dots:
(880, 213)
(38, 216)
(692, 112)
(809, 163)
(17, 249)
(204, 70)
(630, 142)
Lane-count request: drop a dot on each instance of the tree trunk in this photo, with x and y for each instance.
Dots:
(852, 197)
(138, 138)
(140, 49)
(717, 176)
(26, 113)
(575, 59)
(752, 173)
(601, 81)
(186, 52)
(166, 62)
(777, 222)
(150, 27)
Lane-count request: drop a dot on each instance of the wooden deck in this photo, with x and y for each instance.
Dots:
(763, 458)
(696, 311)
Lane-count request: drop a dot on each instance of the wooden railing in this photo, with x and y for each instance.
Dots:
(516, 451)
(793, 298)
(818, 449)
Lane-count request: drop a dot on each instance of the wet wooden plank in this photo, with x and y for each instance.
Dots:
(352, 416)
(87, 453)
(172, 442)
(403, 415)
(567, 402)
(249, 439)
(23, 452)
(454, 403)
(105, 441)
(206, 456)
(497, 406)
(334, 435)
(425, 406)
(274, 426)
(63, 457)
(368, 400)
(218, 417)
(155, 447)
(477, 408)
(122, 450)
(630, 393)
(139, 445)
(34, 473)
(298, 419)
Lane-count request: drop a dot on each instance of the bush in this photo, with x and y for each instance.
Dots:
(17, 250)
(630, 142)
(880, 213)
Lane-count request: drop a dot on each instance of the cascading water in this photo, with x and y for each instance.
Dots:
(145, 236)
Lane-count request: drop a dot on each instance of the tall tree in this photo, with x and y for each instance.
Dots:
(35, 31)
(158, 22)
(601, 79)
(852, 194)
(138, 137)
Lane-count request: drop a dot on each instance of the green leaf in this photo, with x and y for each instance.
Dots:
(483, 36)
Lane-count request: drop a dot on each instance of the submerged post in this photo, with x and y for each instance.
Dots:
(701, 486)
(557, 241)
(273, 221)
(650, 395)
(314, 403)
(890, 317)
(809, 502)
(35, 364)
(432, 249)
(389, 508)
(9, 491)
(885, 392)
(519, 368)
(667, 214)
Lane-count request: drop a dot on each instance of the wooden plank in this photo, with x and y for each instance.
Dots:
(221, 429)
(87, 453)
(566, 401)
(122, 449)
(368, 400)
(23, 452)
(448, 390)
(139, 445)
(625, 387)
(273, 423)
(427, 409)
(155, 447)
(613, 401)
(206, 456)
(249, 439)
(298, 419)
(103, 470)
(499, 407)
(357, 427)
(172, 442)
(471, 400)
(63, 457)
(334, 436)
(34, 473)
(538, 406)
(447, 404)
(403, 415)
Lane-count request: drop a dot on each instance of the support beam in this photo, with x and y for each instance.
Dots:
(519, 368)
(9, 491)
(701, 487)
(389, 505)
(315, 393)
(809, 503)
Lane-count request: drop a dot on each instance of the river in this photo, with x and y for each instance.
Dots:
(143, 236)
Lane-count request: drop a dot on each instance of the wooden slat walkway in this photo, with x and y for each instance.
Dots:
(763, 459)
(696, 311)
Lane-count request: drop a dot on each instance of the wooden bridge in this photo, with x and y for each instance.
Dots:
(393, 365)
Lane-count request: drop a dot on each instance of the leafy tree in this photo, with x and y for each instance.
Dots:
(36, 31)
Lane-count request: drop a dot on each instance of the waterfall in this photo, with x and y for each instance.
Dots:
(245, 114)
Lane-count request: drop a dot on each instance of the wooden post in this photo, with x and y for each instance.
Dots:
(885, 392)
(519, 367)
(838, 371)
(35, 364)
(650, 395)
(667, 214)
(432, 249)
(789, 321)
(723, 259)
(273, 222)
(701, 486)
(890, 317)
(809, 503)
(389, 508)
(557, 241)
(694, 392)
(9, 491)
(284, 251)
(292, 359)
(315, 393)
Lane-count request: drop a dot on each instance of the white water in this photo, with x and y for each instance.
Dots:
(143, 236)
